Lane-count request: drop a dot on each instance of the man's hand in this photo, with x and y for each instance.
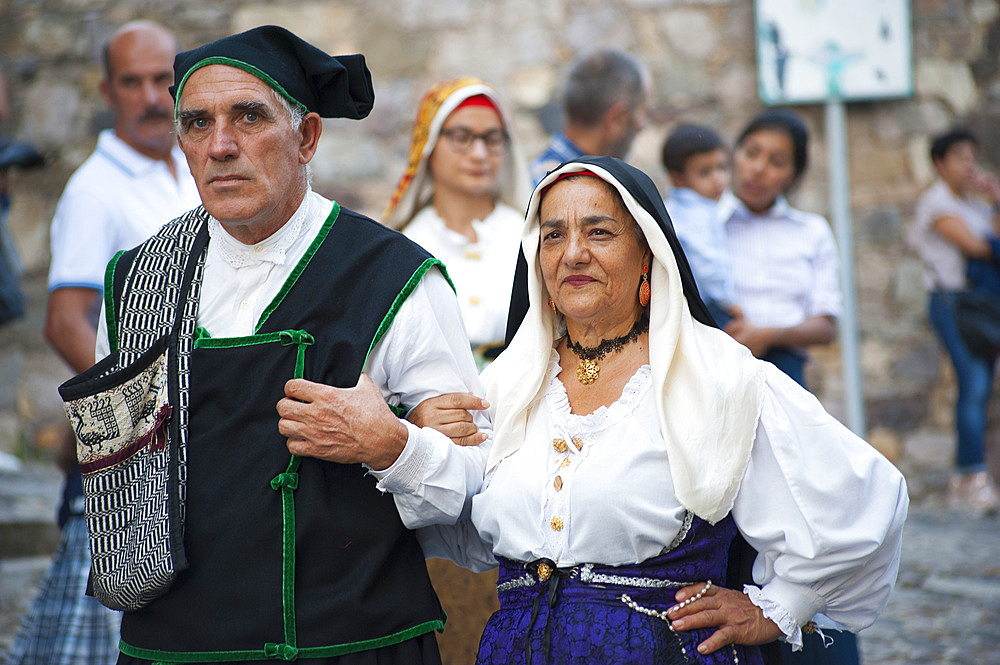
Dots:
(758, 340)
(451, 414)
(738, 620)
(344, 425)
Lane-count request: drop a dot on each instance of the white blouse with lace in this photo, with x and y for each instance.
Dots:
(822, 507)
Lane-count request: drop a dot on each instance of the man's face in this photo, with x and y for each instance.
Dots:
(246, 158)
(638, 118)
(141, 64)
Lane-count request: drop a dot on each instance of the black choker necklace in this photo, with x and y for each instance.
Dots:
(587, 371)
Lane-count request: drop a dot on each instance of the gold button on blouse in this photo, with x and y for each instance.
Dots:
(578, 443)
(556, 523)
(565, 463)
(475, 300)
(557, 483)
(560, 445)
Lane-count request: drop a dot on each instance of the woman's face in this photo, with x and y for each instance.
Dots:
(763, 168)
(590, 254)
(958, 166)
(475, 171)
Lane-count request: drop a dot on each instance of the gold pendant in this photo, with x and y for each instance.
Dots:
(587, 371)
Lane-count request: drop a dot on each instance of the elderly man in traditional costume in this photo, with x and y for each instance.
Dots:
(227, 531)
(634, 441)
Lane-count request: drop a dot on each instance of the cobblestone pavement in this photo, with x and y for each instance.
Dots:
(945, 608)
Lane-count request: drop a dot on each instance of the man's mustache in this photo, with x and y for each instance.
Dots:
(156, 113)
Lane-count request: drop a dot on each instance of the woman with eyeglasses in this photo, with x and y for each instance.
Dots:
(461, 198)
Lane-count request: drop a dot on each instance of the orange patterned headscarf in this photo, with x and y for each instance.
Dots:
(415, 189)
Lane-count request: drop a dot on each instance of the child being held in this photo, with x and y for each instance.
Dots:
(697, 162)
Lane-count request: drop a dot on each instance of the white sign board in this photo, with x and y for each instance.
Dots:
(811, 51)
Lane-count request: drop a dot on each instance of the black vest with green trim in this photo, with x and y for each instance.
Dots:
(288, 557)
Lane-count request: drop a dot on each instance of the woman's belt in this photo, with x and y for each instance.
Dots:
(602, 583)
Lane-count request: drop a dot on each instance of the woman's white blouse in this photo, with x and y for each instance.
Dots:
(482, 271)
(822, 507)
(584, 488)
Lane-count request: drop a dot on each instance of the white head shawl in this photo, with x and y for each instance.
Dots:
(708, 387)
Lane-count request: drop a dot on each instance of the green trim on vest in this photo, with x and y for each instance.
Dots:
(282, 651)
(204, 340)
(407, 289)
(286, 482)
(110, 316)
(301, 265)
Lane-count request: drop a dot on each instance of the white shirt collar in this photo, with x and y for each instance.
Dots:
(131, 161)
(730, 207)
(452, 236)
(271, 249)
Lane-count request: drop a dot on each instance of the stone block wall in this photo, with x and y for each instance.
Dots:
(700, 53)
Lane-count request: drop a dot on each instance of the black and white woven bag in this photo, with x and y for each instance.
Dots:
(130, 415)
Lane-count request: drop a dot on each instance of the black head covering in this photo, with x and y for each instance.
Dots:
(332, 86)
(645, 193)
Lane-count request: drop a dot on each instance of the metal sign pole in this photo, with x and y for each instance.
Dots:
(836, 136)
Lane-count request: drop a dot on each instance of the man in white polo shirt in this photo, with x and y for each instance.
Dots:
(136, 180)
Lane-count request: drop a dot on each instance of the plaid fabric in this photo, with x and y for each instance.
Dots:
(63, 626)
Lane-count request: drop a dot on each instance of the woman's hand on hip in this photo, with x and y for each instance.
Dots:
(737, 620)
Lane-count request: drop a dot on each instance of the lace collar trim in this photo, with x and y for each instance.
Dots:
(558, 400)
(272, 249)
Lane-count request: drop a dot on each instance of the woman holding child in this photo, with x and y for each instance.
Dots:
(784, 260)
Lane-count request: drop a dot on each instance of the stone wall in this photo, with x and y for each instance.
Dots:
(701, 54)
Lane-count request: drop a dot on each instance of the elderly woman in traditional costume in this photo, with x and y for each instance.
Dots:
(462, 198)
(634, 441)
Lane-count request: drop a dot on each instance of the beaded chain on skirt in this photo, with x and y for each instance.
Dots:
(593, 614)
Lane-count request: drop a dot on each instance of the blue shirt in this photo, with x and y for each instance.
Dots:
(560, 150)
(703, 237)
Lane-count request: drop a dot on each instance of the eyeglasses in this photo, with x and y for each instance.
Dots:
(461, 140)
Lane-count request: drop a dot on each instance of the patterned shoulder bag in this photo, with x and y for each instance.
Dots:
(129, 412)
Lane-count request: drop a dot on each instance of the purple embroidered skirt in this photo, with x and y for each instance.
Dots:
(578, 616)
